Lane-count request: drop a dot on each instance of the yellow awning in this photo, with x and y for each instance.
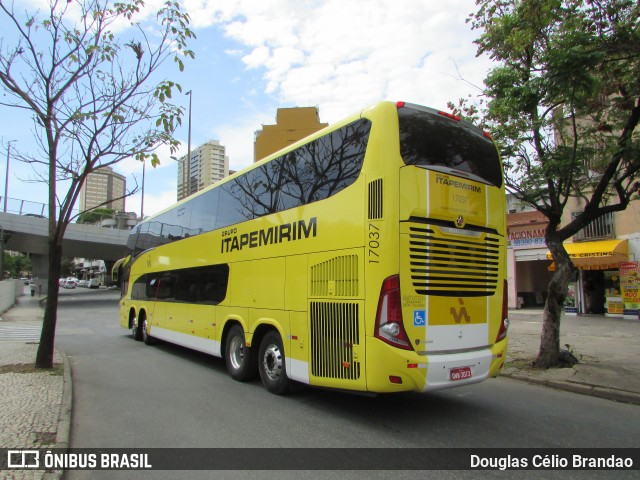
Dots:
(596, 255)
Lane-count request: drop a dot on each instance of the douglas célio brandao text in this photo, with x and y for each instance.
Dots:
(550, 461)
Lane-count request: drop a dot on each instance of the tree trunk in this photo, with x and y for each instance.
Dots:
(44, 357)
(549, 354)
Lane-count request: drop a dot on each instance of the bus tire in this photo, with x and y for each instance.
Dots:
(239, 358)
(146, 338)
(272, 365)
(136, 331)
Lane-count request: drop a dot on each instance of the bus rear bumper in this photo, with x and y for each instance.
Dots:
(401, 370)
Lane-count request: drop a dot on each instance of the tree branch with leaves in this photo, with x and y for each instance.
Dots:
(89, 73)
(563, 104)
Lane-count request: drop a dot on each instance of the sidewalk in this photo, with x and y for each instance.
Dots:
(35, 406)
(608, 350)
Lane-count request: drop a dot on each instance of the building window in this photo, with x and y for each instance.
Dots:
(599, 229)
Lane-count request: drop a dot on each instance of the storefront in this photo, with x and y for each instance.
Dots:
(596, 288)
(527, 264)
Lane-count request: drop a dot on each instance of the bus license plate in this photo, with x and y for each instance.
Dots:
(460, 373)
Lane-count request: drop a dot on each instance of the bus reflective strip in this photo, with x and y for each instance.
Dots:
(297, 370)
(416, 365)
(204, 345)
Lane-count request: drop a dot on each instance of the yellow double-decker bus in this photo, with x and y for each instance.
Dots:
(369, 256)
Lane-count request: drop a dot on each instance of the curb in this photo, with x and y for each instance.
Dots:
(64, 418)
(623, 396)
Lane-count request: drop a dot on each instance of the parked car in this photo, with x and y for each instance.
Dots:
(94, 283)
(70, 282)
(83, 283)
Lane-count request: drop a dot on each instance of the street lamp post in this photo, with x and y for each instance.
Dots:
(190, 93)
(6, 178)
(142, 199)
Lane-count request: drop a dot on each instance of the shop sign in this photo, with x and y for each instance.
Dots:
(630, 284)
(529, 238)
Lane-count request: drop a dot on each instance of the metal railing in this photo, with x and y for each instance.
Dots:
(601, 228)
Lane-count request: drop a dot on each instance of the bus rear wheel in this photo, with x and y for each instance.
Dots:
(239, 358)
(271, 364)
(136, 328)
(146, 338)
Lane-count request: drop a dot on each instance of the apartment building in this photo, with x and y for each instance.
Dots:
(103, 188)
(208, 164)
(292, 124)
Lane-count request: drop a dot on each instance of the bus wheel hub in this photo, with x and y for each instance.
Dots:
(272, 362)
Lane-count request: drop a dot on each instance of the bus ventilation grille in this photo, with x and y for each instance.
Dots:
(337, 277)
(334, 333)
(375, 199)
(453, 267)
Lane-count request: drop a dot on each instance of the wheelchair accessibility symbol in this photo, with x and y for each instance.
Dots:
(419, 318)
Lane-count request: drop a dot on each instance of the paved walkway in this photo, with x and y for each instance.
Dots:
(35, 406)
(608, 350)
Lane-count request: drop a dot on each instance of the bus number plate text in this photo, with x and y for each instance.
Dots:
(459, 373)
(374, 244)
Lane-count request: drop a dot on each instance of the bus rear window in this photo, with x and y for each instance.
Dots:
(431, 140)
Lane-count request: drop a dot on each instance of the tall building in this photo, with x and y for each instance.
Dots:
(103, 188)
(292, 124)
(208, 164)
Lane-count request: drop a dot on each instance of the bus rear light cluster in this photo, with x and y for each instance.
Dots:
(389, 326)
(504, 319)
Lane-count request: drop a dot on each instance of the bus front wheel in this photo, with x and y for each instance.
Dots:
(239, 358)
(271, 364)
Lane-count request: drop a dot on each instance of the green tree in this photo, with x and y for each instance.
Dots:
(67, 267)
(8, 266)
(563, 104)
(87, 71)
(95, 215)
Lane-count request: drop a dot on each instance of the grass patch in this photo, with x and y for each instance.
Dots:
(58, 369)
(519, 363)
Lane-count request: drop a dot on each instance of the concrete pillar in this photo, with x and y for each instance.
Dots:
(512, 278)
(40, 272)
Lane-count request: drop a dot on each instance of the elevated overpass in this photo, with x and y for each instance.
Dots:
(28, 233)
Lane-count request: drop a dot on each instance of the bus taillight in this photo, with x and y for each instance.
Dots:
(450, 115)
(504, 320)
(389, 327)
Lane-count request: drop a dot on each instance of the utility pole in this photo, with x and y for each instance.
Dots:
(189, 192)
(6, 178)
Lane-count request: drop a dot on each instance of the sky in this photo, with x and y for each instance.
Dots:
(255, 56)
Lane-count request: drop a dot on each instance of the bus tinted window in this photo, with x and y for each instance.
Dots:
(310, 173)
(205, 285)
(428, 139)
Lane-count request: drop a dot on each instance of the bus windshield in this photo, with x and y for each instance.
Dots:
(431, 140)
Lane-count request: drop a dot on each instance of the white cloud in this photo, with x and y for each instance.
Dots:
(345, 54)
(130, 166)
(238, 139)
(154, 202)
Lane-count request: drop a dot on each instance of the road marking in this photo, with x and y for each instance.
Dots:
(13, 332)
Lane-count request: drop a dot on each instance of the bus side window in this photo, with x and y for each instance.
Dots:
(139, 289)
(215, 280)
